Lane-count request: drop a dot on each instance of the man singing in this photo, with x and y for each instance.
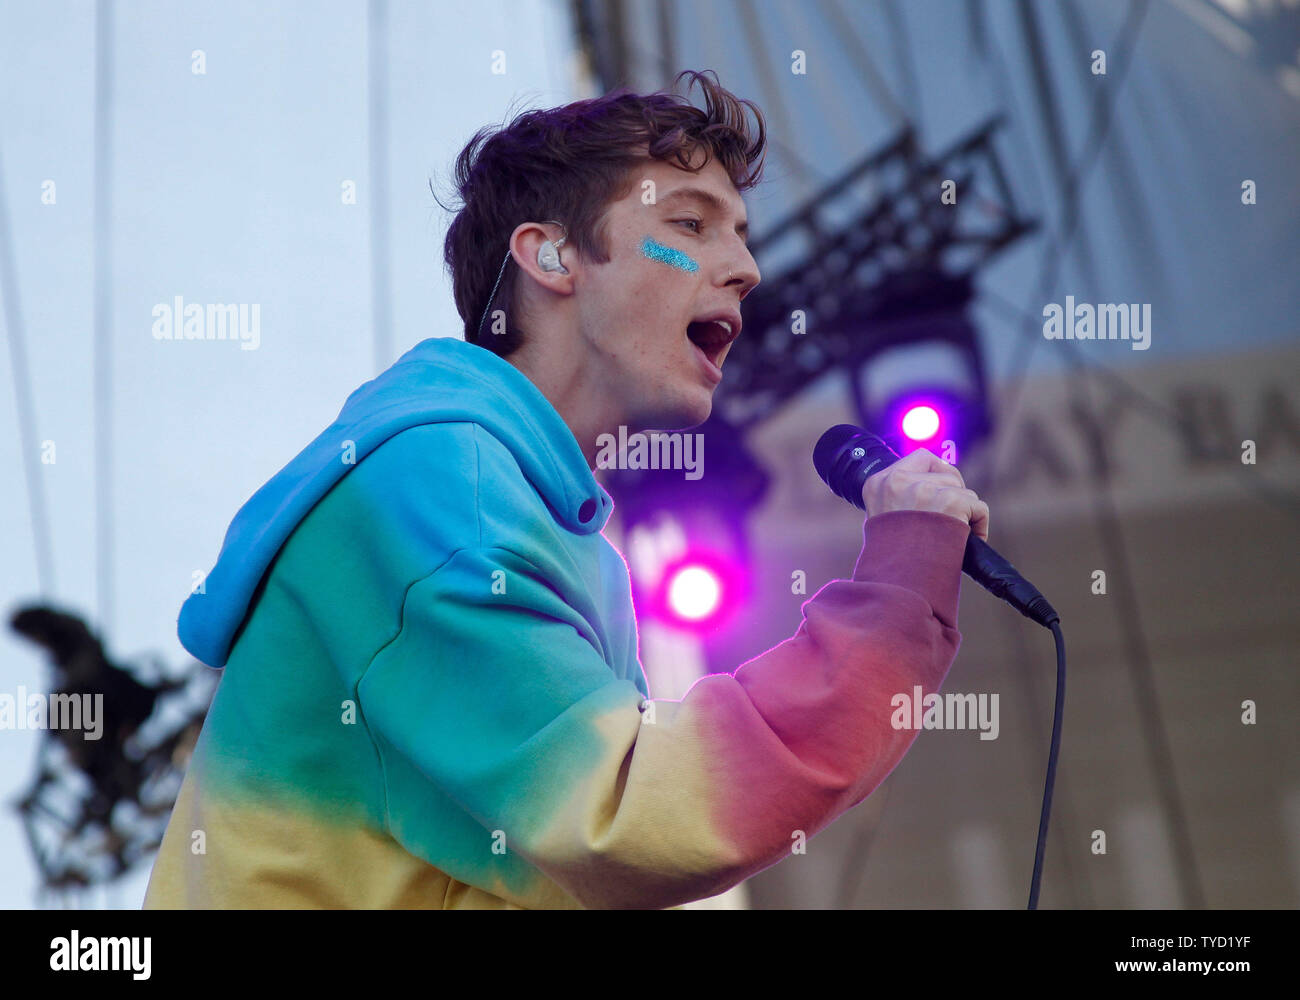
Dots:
(432, 695)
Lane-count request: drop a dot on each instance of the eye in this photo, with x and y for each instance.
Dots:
(693, 222)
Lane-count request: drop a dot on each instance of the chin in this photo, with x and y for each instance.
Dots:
(693, 413)
(685, 415)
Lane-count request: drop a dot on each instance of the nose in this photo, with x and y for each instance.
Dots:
(743, 272)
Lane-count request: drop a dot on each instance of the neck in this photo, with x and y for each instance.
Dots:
(577, 396)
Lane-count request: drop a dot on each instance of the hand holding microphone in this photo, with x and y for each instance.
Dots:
(860, 468)
(923, 481)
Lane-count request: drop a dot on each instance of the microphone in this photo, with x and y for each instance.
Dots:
(846, 455)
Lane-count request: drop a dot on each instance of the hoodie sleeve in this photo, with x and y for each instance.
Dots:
(495, 696)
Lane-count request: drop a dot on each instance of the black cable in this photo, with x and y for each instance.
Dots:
(906, 64)
(843, 31)
(103, 346)
(1005, 95)
(774, 102)
(1098, 128)
(1076, 888)
(1053, 129)
(377, 112)
(11, 310)
(1138, 657)
(1045, 816)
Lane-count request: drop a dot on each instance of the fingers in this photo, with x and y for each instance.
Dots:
(922, 460)
(923, 481)
(979, 519)
(925, 462)
(963, 504)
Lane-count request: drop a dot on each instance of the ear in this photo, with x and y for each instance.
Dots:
(527, 240)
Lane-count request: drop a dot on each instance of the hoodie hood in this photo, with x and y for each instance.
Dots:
(439, 380)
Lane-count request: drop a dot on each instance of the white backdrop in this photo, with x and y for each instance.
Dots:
(228, 188)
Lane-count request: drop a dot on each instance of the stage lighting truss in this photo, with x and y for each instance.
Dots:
(881, 256)
(926, 364)
(97, 808)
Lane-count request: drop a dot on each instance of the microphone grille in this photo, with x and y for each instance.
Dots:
(829, 445)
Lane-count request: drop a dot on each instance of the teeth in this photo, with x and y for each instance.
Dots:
(724, 323)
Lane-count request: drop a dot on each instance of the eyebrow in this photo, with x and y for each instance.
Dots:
(711, 200)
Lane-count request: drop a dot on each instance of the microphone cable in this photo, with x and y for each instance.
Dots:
(845, 456)
(1052, 754)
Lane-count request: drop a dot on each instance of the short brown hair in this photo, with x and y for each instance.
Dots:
(569, 164)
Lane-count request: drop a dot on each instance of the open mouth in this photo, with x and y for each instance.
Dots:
(713, 337)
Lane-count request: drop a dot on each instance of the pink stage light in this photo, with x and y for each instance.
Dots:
(699, 592)
(921, 423)
(694, 592)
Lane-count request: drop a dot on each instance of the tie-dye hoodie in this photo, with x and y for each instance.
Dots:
(432, 695)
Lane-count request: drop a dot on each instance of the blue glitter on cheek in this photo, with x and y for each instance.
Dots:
(667, 255)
